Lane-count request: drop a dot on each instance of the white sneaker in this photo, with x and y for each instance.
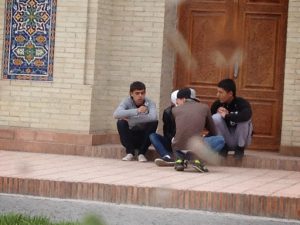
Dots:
(142, 158)
(128, 157)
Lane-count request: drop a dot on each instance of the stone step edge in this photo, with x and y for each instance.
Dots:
(117, 151)
(238, 203)
(250, 160)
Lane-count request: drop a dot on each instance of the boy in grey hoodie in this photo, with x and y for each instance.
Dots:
(137, 119)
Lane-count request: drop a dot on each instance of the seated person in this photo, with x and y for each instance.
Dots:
(162, 144)
(232, 118)
(191, 118)
(137, 119)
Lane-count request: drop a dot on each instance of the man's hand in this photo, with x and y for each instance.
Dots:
(223, 111)
(143, 109)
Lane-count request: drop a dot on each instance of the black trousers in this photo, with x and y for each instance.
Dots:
(136, 138)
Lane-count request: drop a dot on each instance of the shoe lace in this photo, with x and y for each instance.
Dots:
(179, 161)
(197, 162)
(185, 163)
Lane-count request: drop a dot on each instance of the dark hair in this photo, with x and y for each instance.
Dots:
(187, 94)
(137, 85)
(228, 85)
(184, 93)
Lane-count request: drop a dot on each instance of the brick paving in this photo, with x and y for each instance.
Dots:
(263, 192)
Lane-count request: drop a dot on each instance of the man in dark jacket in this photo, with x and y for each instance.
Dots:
(162, 144)
(232, 117)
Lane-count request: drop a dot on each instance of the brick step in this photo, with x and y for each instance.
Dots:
(107, 146)
(257, 192)
(252, 159)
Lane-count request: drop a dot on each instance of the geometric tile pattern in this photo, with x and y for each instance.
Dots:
(29, 39)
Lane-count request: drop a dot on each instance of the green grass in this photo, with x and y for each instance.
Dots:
(18, 219)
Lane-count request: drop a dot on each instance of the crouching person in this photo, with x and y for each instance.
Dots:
(136, 120)
(162, 144)
(191, 118)
(232, 118)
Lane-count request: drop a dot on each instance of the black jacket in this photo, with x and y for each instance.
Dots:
(169, 127)
(239, 110)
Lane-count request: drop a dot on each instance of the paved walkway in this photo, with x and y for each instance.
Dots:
(257, 191)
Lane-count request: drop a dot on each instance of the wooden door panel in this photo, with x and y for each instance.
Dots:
(266, 1)
(264, 122)
(202, 23)
(207, 73)
(267, 6)
(262, 32)
(260, 54)
(259, 29)
(262, 119)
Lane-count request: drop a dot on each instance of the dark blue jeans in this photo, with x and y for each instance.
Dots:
(161, 144)
(216, 143)
(136, 138)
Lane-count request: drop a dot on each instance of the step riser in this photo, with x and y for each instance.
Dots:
(264, 163)
(14, 136)
(117, 152)
(280, 207)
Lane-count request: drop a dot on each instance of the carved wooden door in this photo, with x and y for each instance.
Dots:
(250, 37)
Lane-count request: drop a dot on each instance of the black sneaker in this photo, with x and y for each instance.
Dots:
(239, 152)
(199, 166)
(167, 159)
(179, 165)
(161, 162)
(224, 151)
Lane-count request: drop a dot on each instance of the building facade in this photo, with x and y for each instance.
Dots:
(100, 47)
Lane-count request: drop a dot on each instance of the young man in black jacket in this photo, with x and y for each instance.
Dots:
(162, 144)
(232, 117)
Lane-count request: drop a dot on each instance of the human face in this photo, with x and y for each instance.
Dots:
(224, 96)
(138, 96)
(180, 101)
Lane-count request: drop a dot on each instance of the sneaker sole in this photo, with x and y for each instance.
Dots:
(200, 170)
(143, 161)
(127, 160)
(161, 162)
(132, 159)
(179, 169)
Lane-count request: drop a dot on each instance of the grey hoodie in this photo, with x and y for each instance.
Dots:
(127, 109)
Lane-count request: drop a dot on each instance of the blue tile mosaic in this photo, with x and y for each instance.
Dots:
(29, 39)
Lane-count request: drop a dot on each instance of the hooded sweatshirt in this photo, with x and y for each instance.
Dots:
(191, 118)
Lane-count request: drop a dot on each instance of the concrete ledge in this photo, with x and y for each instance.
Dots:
(107, 146)
(252, 159)
(76, 210)
(30, 140)
(264, 160)
(290, 150)
(257, 205)
(24, 135)
(246, 191)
